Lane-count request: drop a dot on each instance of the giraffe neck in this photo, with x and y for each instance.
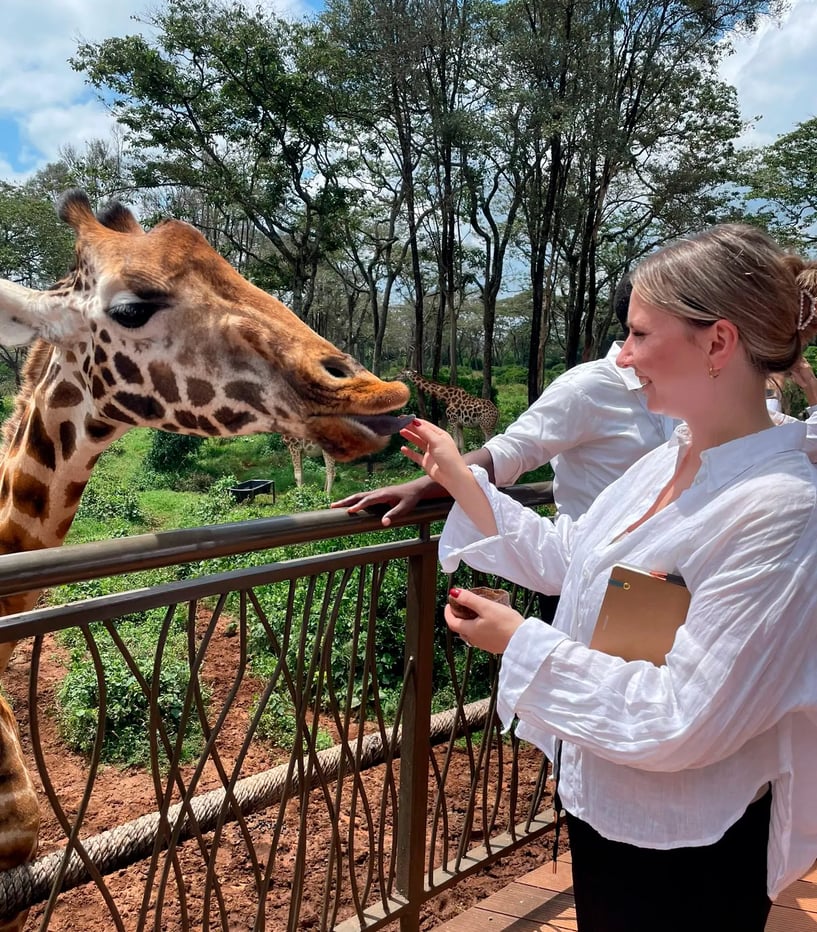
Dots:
(445, 392)
(52, 442)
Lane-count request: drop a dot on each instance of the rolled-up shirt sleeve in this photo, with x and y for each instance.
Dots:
(528, 549)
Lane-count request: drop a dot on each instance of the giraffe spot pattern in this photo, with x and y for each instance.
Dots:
(15, 539)
(258, 343)
(30, 496)
(100, 356)
(40, 446)
(68, 439)
(103, 334)
(128, 369)
(64, 527)
(109, 377)
(73, 493)
(234, 420)
(97, 387)
(117, 414)
(143, 406)
(164, 381)
(97, 430)
(248, 392)
(199, 392)
(208, 427)
(186, 418)
(65, 395)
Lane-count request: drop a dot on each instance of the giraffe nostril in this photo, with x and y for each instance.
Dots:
(336, 369)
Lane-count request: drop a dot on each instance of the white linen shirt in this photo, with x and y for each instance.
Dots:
(670, 756)
(591, 423)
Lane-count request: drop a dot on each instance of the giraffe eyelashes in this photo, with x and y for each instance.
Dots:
(134, 314)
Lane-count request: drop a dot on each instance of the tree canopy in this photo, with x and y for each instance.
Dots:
(415, 176)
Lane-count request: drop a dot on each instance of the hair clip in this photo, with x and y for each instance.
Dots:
(806, 300)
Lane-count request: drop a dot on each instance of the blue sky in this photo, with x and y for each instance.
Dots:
(44, 104)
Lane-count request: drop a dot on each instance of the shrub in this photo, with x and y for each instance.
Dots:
(279, 725)
(127, 716)
(169, 453)
(106, 499)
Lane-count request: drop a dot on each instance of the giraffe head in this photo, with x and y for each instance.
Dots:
(156, 329)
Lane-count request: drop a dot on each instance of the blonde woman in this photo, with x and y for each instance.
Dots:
(690, 788)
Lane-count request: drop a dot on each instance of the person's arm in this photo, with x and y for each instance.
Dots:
(732, 673)
(405, 496)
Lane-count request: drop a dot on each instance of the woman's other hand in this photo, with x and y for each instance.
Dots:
(493, 626)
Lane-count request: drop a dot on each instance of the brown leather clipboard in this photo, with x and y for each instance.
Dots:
(640, 614)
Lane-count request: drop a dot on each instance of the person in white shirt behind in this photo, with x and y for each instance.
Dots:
(591, 423)
(690, 787)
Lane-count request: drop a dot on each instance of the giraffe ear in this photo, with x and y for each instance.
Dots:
(19, 324)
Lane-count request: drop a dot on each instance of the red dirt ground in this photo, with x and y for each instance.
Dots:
(121, 795)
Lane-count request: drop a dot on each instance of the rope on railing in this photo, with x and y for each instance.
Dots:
(28, 884)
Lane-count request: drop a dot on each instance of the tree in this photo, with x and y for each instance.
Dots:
(218, 103)
(617, 87)
(781, 185)
(101, 171)
(36, 248)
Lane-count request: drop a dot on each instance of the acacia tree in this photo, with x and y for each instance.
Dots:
(781, 183)
(615, 86)
(217, 102)
(373, 50)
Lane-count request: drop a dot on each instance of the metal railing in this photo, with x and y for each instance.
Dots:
(336, 782)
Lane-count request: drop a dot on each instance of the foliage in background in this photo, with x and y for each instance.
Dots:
(171, 453)
(127, 720)
(278, 724)
(781, 182)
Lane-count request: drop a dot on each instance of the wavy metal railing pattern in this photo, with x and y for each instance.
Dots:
(355, 827)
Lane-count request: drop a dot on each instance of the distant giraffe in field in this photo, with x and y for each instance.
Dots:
(298, 449)
(157, 330)
(461, 408)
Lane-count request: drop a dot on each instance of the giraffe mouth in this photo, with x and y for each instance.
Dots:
(384, 425)
(346, 437)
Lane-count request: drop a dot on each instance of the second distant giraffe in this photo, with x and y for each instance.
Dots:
(461, 408)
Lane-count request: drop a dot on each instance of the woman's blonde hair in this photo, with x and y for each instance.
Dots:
(738, 273)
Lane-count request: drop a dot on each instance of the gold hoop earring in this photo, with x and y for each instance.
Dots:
(713, 372)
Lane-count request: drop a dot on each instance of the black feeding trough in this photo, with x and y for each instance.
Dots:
(247, 490)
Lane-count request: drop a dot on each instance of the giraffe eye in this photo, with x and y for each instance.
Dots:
(134, 314)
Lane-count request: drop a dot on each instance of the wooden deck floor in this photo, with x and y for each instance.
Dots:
(542, 901)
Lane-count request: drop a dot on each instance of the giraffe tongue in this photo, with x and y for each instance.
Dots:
(383, 424)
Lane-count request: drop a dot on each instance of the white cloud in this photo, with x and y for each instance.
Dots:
(44, 103)
(775, 72)
(47, 101)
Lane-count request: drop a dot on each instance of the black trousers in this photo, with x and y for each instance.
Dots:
(712, 888)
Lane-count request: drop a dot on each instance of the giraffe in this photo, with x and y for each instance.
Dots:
(461, 408)
(298, 448)
(149, 329)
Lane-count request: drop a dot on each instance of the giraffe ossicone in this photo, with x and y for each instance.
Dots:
(150, 329)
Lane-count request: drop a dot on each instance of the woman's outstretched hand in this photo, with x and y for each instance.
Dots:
(441, 460)
(439, 457)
